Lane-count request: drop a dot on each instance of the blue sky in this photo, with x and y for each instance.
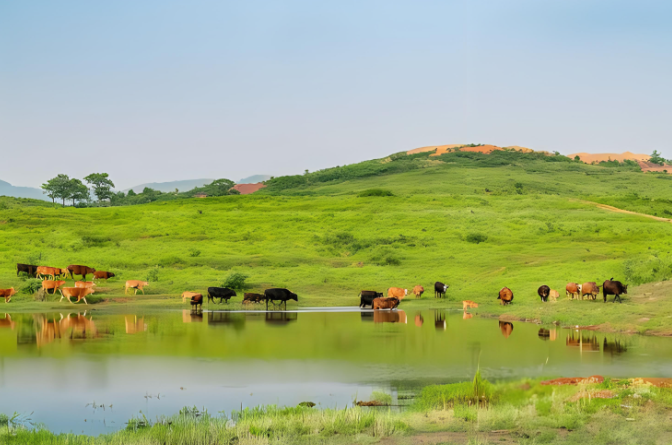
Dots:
(164, 90)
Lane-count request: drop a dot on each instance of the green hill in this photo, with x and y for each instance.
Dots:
(477, 222)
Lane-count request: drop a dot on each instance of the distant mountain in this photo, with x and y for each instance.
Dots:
(8, 189)
(183, 186)
(254, 179)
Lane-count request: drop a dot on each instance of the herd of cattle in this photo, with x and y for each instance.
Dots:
(51, 277)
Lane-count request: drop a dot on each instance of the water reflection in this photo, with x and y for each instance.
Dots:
(280, 318)
(440, 320)
(7, 322)
(467, 315)
(367, 316)
(75, 327)
(393, 316)
(135, 324)
(506, 328)
(237, 321)
(613, 348)
(548, 334)
(419, 321)
(190, 316)
(585, 342)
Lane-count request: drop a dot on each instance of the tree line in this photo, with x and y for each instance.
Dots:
(64, 188)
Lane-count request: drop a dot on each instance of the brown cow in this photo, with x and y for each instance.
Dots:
(136, 284)
(505, 295)
(7, 293)
(187, 294)
(250, 297)
(553, 295)
(53, 285)
(506, 328)
(397, 292)
(591, 289)
(8, 323)
(385, 303)
(196, 301)
(418, 291)
(79, 292)
(80, 270)
(86, 285)
(102, 275)
(52, 272)
(467, 304)
(572, 290)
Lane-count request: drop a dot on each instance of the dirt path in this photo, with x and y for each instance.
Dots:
(617, 210)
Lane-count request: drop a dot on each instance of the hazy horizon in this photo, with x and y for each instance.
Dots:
(162, 91)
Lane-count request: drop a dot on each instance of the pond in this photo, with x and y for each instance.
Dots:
(87, 373)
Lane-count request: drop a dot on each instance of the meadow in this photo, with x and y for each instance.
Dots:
(476, 222)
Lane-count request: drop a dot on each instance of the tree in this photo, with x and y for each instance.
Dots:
(131, 193)
(49, 188)
(656, 158)
(78, 191)
(58, 187)
(102, 185)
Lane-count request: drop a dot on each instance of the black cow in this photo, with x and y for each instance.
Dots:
(543, 292)
(282, 295)
(223, 293)
(27, 268)
(615, 288)
(440, 289)
(366, 297)
(196, 301)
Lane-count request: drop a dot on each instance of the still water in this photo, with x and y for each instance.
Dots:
(90, 373)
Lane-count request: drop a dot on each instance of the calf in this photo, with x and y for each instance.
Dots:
(102, 275)
(137, 285)
(386, 303)
(53, 285)
(282, 295)
(440, 289)
(249, 297)
(468, 304)
(553, 295)
(543, 292)
(79, 292)
(7, 293)
(573, 290)
(27, 268)
(223, 293)
(366, 297)
(505, 295)
(615, 288)
(196, 301)
(418, 291)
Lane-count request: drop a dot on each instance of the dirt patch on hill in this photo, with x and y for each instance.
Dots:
(440, 149)
(247, 189)
(450, 437)
(617, 210)
(589, 158)
(651, 167)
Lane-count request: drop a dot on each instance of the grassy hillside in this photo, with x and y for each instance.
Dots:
(537, 219)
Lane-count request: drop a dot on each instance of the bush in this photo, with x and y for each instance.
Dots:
(31, 286)
(391, 261)
(194, 253)
(375, 192)
(236, 281)
(477, 238)
(153, 274)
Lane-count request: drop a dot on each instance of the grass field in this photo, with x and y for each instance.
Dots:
(538, 221)
(522, 412)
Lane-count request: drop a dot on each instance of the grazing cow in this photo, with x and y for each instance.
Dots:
(572, 290)
(7, 293)
(223, 293)
(53, 285)
(135, 284)
(553, 295)
(366, 297)
(8, 323)
(250, 297)
(53, 272)
(86, 285)
(79, 292)
(440, 289)
(505, 295)
(418, 291)
(386, 303)
(506, 328)
(102, 275)
(27, 268)
(282, 295)
(196, 301)
(467, 304)
(80, 270)
(187, 294)
(591, 289)
(543, 292)
(615, 288)
(397, 292)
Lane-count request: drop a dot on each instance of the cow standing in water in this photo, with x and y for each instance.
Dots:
(196, 301)
(282, 295)
(615, 288)
(386, 303)
(366, 297)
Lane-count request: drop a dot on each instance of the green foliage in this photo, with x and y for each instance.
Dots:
(194, 253)
(236, 281)
(476, 238)
(656, 158)
(31, 286)
(381, 397)
(102, 185)
(153, 275)
(375, 192)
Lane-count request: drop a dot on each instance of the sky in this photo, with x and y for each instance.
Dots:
(163, 90)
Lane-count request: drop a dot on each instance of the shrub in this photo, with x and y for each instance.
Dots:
(375, 192)
(153, 274)
(194, 253)
(31, 286)
(236, 281)
(477, 238)
(391, 261)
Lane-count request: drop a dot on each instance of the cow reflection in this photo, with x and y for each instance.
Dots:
(467, 315)
(506, 328)
(280, 318)
(7, 322)
(367, 316)
(191, 316)
(135, 325)
(587, 343)
(79, 327)
(440, 320)
(419, 321)
(548, 334)
(237, 321)
(389, 317)
(613, 348)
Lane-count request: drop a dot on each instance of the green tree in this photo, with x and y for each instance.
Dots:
(102, 185)
(78, 191)
(131, 193)
(656, 158)
(49, 188)
(58, 187)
